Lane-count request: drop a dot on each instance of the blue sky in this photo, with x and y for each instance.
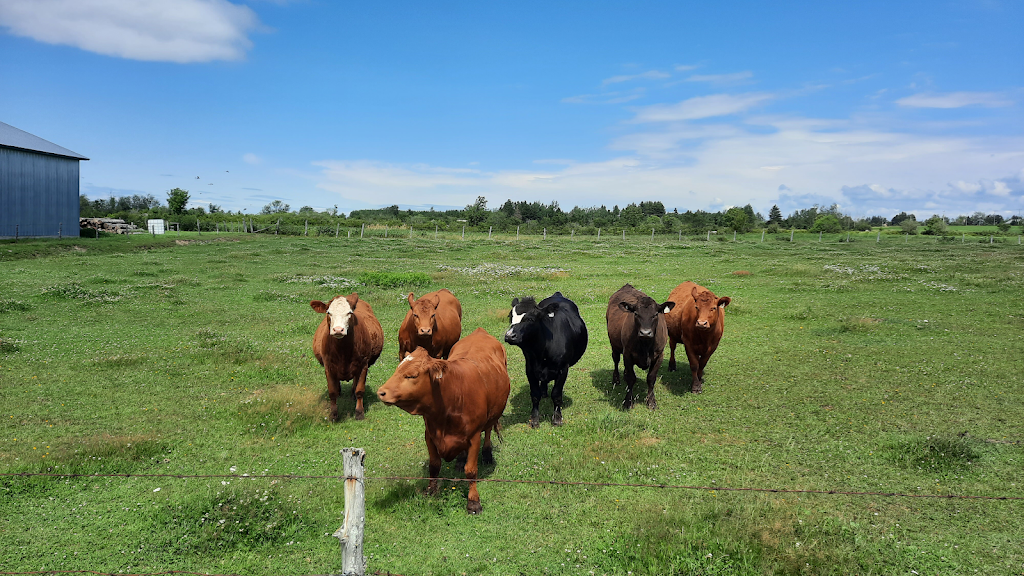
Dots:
(877, 106)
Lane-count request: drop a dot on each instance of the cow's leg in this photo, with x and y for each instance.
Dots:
(630, 377)
(534, 400)
(359, 390)
(696, 386)
(473, 501)
(672, 353)
(333, 390)
(615, 372)
(556, 396)
(652, 376)
(487, 455)
(433, 464)
(705, 357)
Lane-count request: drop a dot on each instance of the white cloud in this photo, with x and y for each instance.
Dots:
(719, 79)
(956, 100)
(250, 158)
(649, 75)
(182, 31)
(701, 107)
(686, 67)
(606, 98)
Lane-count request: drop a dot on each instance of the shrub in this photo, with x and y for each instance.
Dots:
(827, 223)
(909, 226)
(773, 228)
(1003, 226)
(935, 226)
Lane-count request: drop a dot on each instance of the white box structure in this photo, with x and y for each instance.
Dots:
(156, 226)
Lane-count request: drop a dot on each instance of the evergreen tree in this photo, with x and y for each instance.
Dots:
(775, 215)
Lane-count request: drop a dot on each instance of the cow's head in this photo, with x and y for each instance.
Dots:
(525, 318)
(708, 306)
(645, 312)
(411, 387)
(340, 313)
(424, 312)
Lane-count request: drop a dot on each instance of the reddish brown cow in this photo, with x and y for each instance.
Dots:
(697, 321)
(434, 322)
(347, 342)
(458, 398)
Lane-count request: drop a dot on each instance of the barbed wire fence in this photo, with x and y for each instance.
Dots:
(350, 534)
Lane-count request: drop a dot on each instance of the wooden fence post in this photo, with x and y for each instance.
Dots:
(680, 235)
(435, 231)
(545, 233)
(385, 230)
(361, 228)
(623, 233)
(350, 535)
(410, 231)
(16, 232)
(652, 234)
(463, 232)
(791, 232)
(572, 233)
(337, 228)
(734, 236)
(489, 230)
(762, 234)
(198, 228)
(517, 233)
(598, 233)
(305, 231)
(60, 231)
(879, 237)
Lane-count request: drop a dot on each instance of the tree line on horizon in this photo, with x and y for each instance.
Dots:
(529, 217)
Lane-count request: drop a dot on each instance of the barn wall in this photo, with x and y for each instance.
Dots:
(38, 194)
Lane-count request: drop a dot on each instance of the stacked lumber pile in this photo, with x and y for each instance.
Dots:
(112, 225)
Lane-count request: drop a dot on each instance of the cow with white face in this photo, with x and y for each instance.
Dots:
(348, 341)
(553, 337)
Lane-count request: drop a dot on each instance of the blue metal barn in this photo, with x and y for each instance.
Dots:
(38, 186)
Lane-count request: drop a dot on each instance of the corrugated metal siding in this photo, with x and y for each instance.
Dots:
(38, 194)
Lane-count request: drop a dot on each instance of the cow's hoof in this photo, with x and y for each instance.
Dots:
(652, 404)
(671, 366)
(432, 488)
(487, 456)
(556, 419)
(334, 416)
(473, 507)
(627, 404)
(360, 415)
(534, 422)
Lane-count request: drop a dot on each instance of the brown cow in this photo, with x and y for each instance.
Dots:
(434, 322)
(458, 398)
(698, 322)
(636, 330)
(347, 342)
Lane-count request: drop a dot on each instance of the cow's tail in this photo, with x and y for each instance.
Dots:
(497, 432)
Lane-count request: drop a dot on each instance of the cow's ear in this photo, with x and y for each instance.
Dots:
(724, 301)
(627, 307)
(318, 306)
(667, 306)
(436, 369)
(694, 292)
(557, 295)
(353, 299)
(412, 300)
(435, 300)
(550, 310)
(515, 302)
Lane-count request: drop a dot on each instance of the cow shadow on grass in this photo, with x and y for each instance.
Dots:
(450, 483)
(677, 382)
(520, 406)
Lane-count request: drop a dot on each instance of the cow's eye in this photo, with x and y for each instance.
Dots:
(407, 376)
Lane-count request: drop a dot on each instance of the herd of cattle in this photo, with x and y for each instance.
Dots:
(461, 386)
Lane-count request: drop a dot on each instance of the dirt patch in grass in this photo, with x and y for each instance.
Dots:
(282, 410)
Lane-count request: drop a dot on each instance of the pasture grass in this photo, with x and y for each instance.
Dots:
(851, 366)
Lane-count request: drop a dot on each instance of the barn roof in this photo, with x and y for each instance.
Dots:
(14, 138)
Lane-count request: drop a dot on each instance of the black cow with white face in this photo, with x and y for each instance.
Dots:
(553, 337)
(638, 332)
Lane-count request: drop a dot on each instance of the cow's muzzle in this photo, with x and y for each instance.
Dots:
(426, 331)
(648, 333)
(703, 325)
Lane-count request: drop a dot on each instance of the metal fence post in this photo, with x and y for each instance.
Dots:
(60, 231)
(350, 535)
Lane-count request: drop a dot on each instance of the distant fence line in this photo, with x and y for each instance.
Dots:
(447, 233)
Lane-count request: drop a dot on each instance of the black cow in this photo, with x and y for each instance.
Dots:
(553, 337)
(637, 330)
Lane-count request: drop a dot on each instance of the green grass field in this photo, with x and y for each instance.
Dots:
(886, 367)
